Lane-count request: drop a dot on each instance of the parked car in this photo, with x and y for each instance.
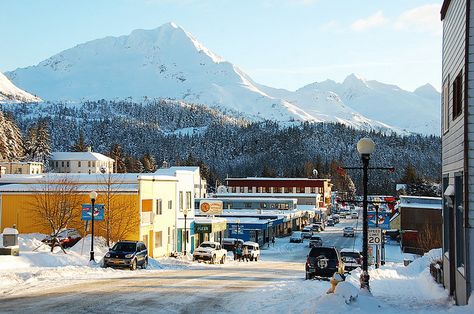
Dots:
(296, 237)
(211, 252)
(321, 225)
(315, 241)
(128, 254)
(323, 262)
(67, 238)
(351, 258)
(230, 244)
(355, 215)
(330, 222)
(336, 219)
(343, 214)
(348, 232)
(254, 250)
(307, 232)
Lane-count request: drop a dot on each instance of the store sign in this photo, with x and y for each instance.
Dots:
(210, 207)
(202, 228)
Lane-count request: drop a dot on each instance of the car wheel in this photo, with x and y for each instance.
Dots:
(256, 258)
(133, 266)
(223, 259)
(308, 276)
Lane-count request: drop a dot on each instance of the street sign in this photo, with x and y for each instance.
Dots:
(375, 236)
(98, 212)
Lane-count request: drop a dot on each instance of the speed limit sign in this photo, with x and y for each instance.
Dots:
(375, 236)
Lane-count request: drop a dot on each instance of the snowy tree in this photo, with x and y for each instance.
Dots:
(11, 142)
(80, 145)
(116, 153)
(148, 162)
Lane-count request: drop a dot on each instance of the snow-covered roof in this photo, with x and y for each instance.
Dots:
(116, 178)
(31, 188)
(173, 169)
(209, 220)
(422, 202)
(80, 156)
(157, 177)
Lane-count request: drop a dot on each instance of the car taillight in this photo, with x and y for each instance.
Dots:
(308, 262)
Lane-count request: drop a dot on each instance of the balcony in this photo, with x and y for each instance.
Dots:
(147, 218)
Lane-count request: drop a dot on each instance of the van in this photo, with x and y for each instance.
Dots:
(254, 250)
(230, 244)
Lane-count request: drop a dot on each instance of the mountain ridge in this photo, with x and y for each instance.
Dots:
(168, 62)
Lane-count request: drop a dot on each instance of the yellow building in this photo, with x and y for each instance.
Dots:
(137, 207)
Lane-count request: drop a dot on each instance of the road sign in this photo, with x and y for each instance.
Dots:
(98, 212)
(375, 236)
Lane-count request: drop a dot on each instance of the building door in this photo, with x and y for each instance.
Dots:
(180, 240)
(452, 250)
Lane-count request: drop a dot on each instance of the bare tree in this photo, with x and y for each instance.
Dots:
(120, 218)
(429, 238)
(56, 205)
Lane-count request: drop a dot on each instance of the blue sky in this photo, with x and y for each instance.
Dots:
(281, 43)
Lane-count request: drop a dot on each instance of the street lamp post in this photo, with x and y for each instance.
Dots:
(185, 213)
(365, 147)
(93, 196)
(238, 228)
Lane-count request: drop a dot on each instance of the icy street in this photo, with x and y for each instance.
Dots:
(274, 284)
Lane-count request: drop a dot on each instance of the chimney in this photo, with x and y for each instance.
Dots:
(89, 149)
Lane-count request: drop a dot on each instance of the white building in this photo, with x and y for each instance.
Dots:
(80, 162)
(21, 167)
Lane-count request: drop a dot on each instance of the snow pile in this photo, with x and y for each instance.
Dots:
(38, 267)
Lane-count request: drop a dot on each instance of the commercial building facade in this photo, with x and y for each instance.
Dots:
(457, 108)
(21, 167)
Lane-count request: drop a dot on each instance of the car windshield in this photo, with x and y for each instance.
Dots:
(315, 238)
(124, 247)
(350, 254)
(348, 228)
(211, 245)
(327, 252)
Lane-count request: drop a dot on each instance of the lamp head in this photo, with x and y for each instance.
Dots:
(365, 146)
(93, 195)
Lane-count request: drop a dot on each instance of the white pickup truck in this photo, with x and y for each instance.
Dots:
(210, 251)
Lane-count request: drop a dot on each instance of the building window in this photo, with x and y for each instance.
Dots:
(446, 105)
(169, 235)
(89, 164)
(67, 164)
(62, 164)
(249, 189)
(459, 210)
(159, 208)
(158, 239)
(313, 190)
(457, 96)
(248, 205)
(299, 189)
(181, 200)
(170, 204)
(188, 200)
(79, 164)
(287, 189)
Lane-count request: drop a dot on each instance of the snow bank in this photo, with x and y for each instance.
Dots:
(38, 267)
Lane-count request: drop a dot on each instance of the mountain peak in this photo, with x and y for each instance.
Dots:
(354, 80)
(427, 90)
(10, 93)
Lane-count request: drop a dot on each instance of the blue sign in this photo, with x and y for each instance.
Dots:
(98, 212)
(237, 229)
(384, 219)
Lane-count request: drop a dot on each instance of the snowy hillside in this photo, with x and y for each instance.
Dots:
(168, 62)
(11, 93)
(417, 111)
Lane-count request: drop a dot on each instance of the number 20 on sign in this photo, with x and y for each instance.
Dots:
(375, 236)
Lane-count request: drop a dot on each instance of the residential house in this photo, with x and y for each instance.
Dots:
(21, 167)
(80, 162)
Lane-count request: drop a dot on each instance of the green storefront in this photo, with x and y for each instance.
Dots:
(209, 229)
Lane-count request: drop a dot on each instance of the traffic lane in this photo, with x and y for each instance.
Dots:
(202, 289)
(333, 236)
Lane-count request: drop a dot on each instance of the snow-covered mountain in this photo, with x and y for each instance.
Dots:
(417, 111)
(168, 62)
(11, 94)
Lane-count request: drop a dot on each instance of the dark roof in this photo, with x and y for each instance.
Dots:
(444, 8)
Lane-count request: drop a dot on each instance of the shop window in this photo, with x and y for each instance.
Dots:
(158, 239)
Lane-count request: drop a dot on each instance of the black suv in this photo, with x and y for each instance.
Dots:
(129, 254)
(323, 262)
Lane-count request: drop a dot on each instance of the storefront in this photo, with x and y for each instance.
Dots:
(209, 229)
